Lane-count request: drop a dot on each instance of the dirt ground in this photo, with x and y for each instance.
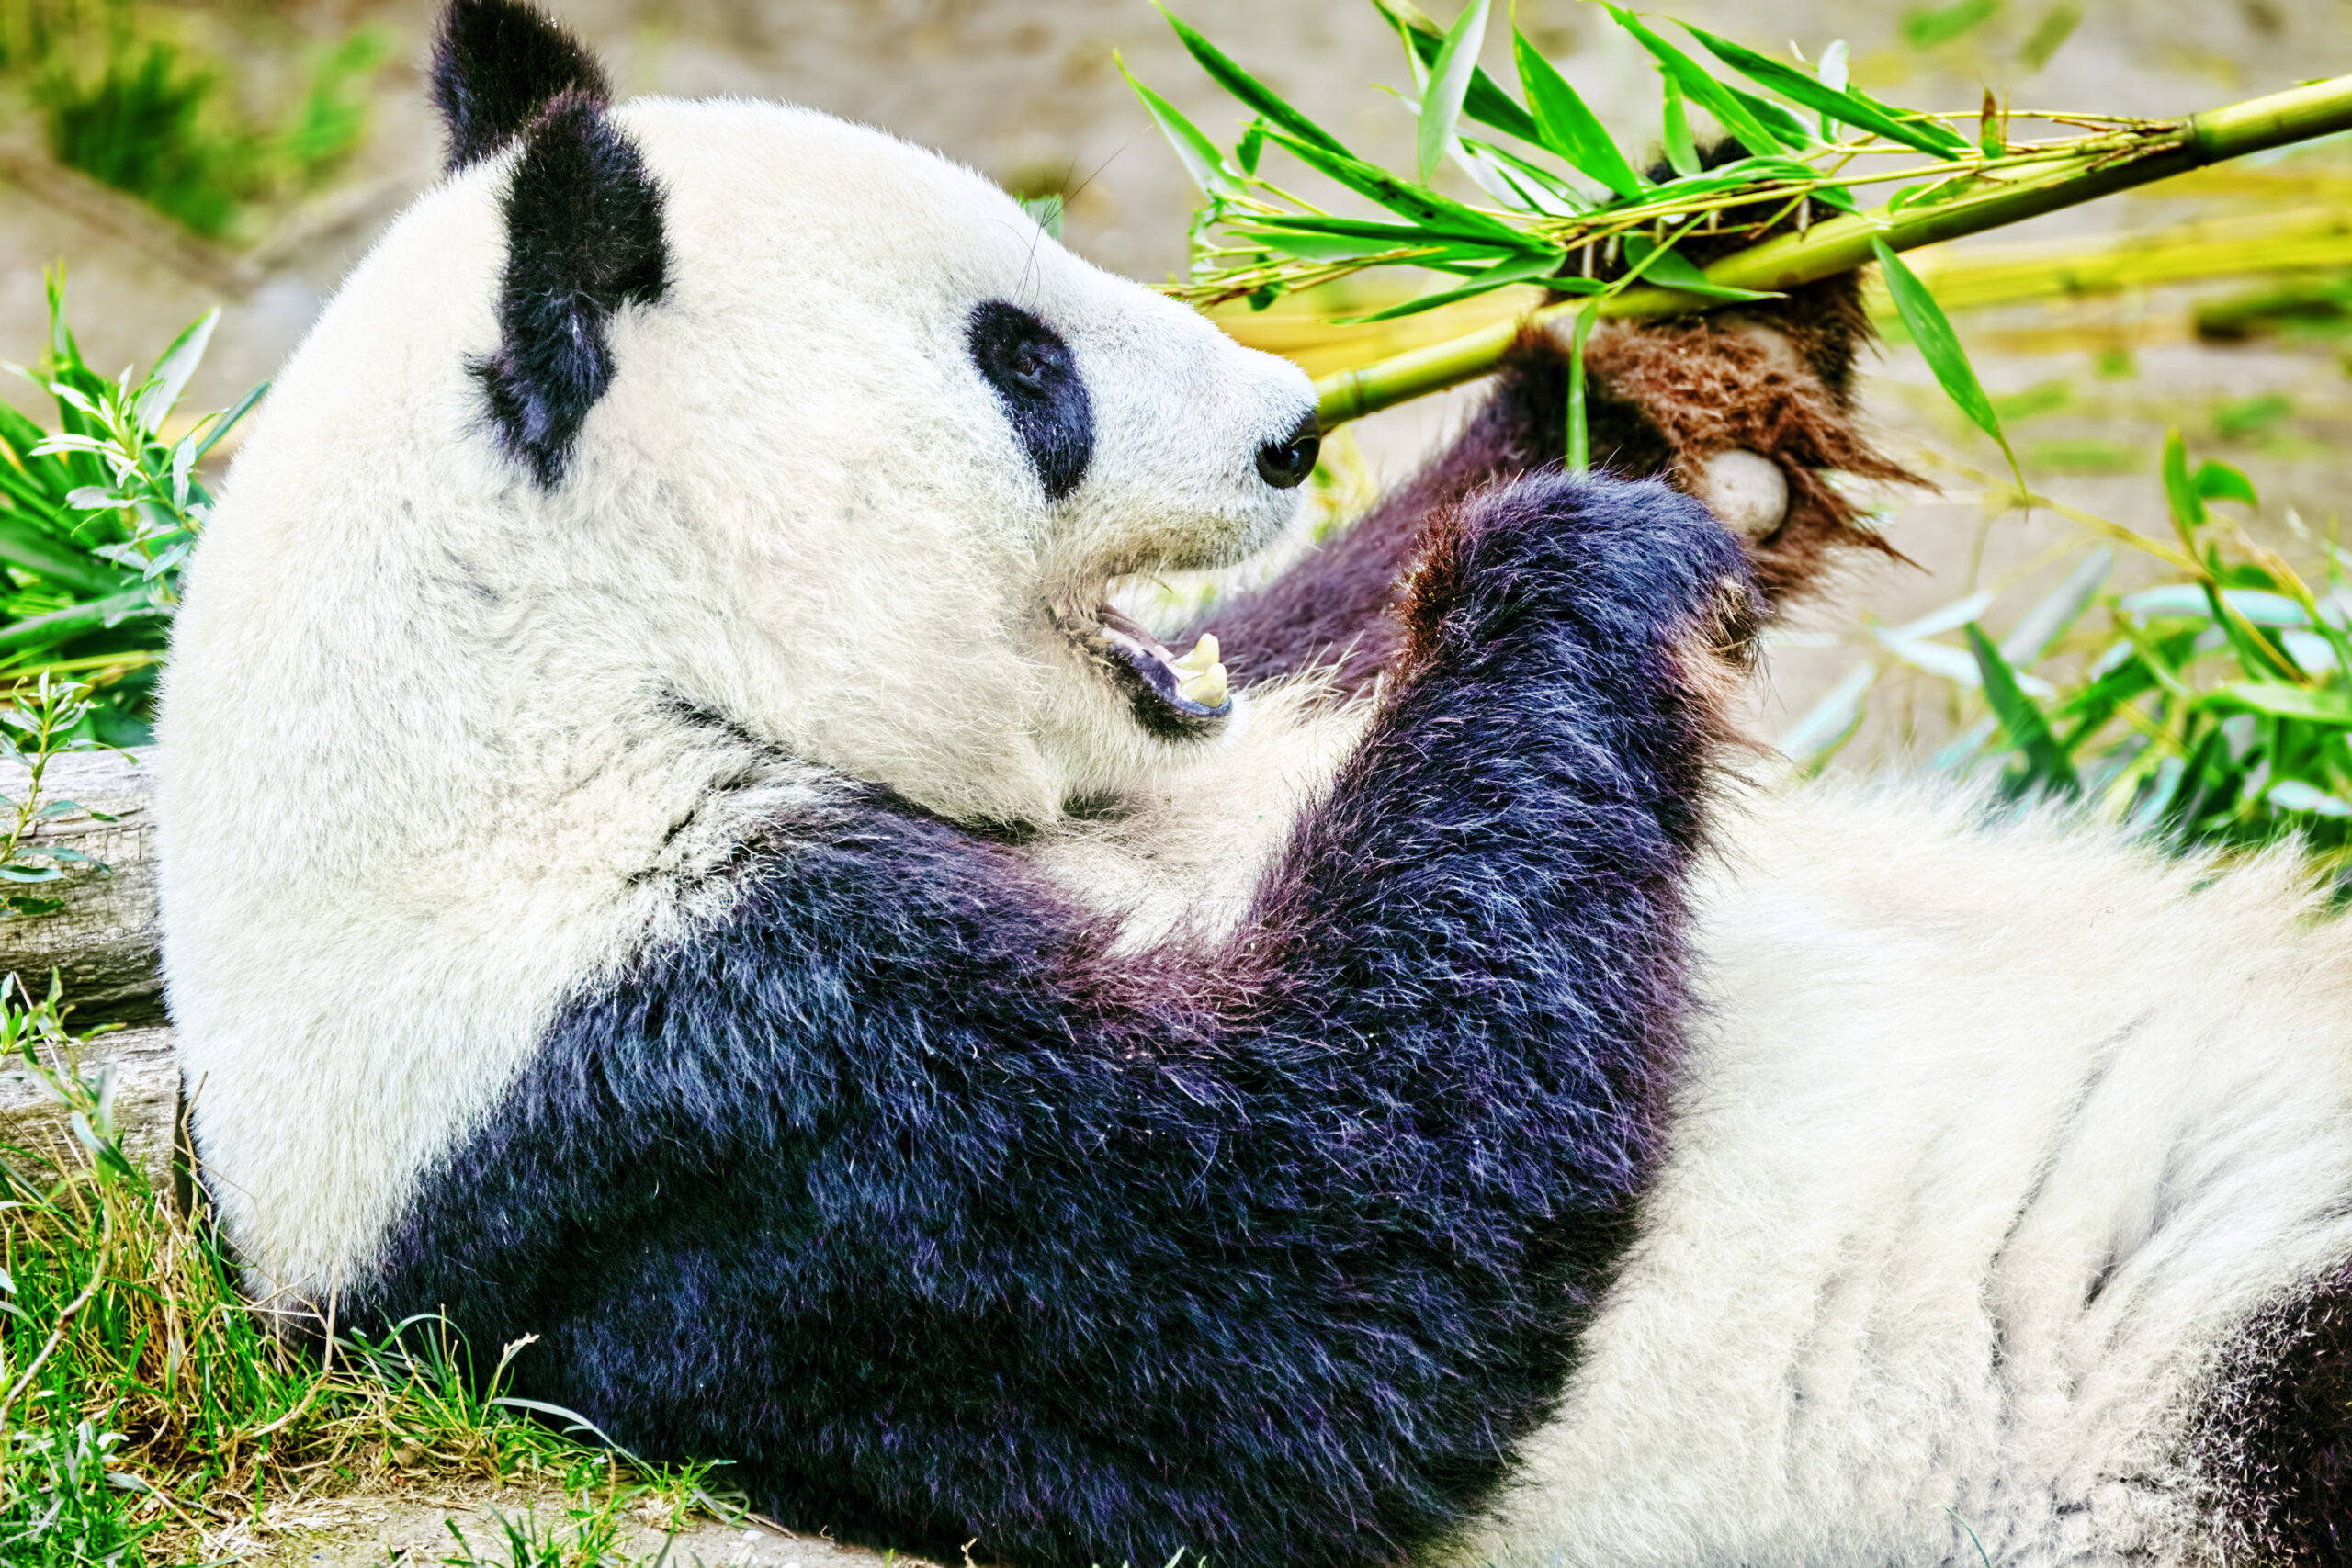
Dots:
(432, 1526)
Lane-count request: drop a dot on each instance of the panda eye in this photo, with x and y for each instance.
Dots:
(1036, 380)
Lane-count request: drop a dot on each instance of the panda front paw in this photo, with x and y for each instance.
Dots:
(1712, 374)
(1613, 564)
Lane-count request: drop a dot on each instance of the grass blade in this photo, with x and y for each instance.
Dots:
(1931, 332)
(1248, 88)
(1566, 127)
(1449, 81)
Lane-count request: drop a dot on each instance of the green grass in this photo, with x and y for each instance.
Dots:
(123, 98)
(145, 1406)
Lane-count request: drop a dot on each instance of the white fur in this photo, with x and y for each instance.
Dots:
(1955, 1080)
(419, 759)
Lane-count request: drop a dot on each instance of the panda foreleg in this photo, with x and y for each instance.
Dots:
(897, 1189)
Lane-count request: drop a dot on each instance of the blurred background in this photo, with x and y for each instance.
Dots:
(175, 157)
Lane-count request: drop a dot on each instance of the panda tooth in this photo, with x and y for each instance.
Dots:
(1204, 653)
(1208, 688)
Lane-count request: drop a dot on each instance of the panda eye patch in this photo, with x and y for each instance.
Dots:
(1036, 382)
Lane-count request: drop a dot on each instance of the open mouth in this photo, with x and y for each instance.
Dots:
(1185, 691)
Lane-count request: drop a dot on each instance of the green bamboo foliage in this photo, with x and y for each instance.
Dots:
(2212, 710)
(1562, 205)
(96, 516)
(1562, 201)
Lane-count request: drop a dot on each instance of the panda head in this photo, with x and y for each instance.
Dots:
(860, 450)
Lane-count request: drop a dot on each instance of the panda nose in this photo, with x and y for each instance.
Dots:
(1287, 462)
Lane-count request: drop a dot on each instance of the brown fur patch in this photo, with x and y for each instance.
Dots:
(1434, 586)
(1712, 384)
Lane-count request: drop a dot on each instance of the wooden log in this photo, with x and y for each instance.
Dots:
(104, 942)
(103, 945)
(146, 1097)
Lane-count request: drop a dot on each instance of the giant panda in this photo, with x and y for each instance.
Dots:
(671, 864)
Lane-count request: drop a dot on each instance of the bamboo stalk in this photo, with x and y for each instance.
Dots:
(1843, 243)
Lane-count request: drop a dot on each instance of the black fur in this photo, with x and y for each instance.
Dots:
(495, 63)
(2273, 1444)
(898, 1188)
(584, 235)
(1037, 382)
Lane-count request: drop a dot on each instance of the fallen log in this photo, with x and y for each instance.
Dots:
(103, 947)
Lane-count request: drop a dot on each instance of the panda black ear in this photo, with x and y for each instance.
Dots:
(496, 65)
(583, 238)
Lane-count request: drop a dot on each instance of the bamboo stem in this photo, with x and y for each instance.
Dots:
(1843, 243)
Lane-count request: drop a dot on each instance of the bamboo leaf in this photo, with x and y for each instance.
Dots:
(1579, 453)
(2332, 708)
(1519, 269)
(221, 422)
(2180, 492)
(1547, 191)
(2021, 718)
(1315, 246)
(1260, 97)
(1417, 202)
(1931, 333)
(1670, 269)
(1832, 75)
(2256, 653)
(1831, 722)
(1566, 127)
(1681, 148)
(1449, 79)
(1201, 157)
(1791, 131)
(173, 367)
(1252, 142)
(1485, 102)
(2219, 481)
(2048, 620)
(1831, 100)
(1931, 30)
(1703, 90)
(1391, 233)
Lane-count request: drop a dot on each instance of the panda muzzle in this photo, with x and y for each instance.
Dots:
(1193, 683)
